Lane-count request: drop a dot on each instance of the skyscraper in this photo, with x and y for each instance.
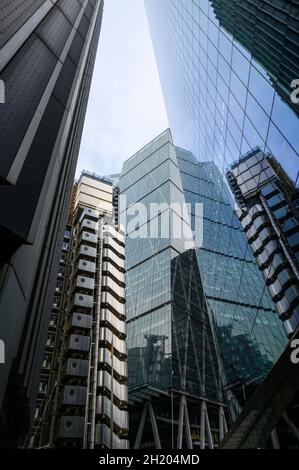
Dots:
(174, 377)
(221, 96)
(85, 400)
(227, 72)
(46, 61)
(190, 334)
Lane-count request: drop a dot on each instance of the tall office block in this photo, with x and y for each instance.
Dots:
(85, 403)
(268, 211)
(47, 53)
(174, 374)
(226, 70)
(222, 96)
(190, 333)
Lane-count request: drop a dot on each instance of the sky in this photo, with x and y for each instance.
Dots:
(126, 107)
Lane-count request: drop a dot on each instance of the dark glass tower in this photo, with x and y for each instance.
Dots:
(46, 61)
(189, 332)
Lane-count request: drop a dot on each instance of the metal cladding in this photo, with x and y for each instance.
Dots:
(89, 408)
(47, 54)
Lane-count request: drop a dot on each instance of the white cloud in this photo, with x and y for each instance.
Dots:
(126, 107)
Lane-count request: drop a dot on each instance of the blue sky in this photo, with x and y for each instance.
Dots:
(126, 107)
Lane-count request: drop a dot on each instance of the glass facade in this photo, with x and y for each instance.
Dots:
(249, 333)
(170, 340)
(226, 70)
(179, 298)
(268, 212)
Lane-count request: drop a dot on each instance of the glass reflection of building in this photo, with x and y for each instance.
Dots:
(219, 92)
(269, 214)
(224, 98)
(269, 30)
(172, 352)
(250, 335)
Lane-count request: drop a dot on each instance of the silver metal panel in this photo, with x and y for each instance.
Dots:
(77, 368)
(107, 335)
(103, 437)
(120, 417)
(89, 237)
(120, 390)
(87, 251)
(119, 366)
(108, 298)
(109, 282)
(80, 320)
(109, 230)
(116, 259)
(116, 246)
(109, 267)
(79, 343)
(83, 300)
(87, 266)
(71, 427)
(90, 225)
(90, 213)
(74, 395)
(108, 316)
(85, 282)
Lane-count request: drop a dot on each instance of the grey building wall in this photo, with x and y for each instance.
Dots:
(47, 57)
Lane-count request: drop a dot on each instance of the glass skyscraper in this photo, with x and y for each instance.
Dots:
(171, 348)
(199, 317)
(223, 97)
(227, 70)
